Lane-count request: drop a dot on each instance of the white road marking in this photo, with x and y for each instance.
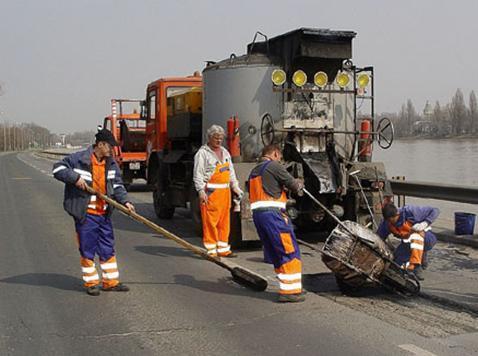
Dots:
(415, 350)
(33, 166)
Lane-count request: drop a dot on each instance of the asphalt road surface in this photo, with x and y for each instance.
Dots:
(179, 303)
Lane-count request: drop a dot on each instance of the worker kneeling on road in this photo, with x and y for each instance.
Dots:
(94, 167)
(268, 203)
(411, 224)
(213, 178)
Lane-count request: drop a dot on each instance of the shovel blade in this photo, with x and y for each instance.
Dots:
(249, 279)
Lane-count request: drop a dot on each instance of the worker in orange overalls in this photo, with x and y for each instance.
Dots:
(214, 177)
(268, 203)
(97, 168)
(411, 224)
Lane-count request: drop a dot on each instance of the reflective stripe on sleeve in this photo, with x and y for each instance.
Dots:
(59, 168)
(117, 186)
(268, 204)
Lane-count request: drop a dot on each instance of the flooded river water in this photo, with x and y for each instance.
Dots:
(439, 161)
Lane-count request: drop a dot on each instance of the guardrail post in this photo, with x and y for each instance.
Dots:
(400, 198)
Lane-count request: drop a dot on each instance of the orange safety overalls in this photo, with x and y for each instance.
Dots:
(415, 239)
(215, 213)
(277, 234)
(96, 233)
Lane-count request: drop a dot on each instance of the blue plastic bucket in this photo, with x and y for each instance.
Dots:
(464, 223)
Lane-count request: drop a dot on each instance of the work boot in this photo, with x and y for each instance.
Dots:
(120, 287)
(291, 298)
(93, 290)
(418, 271)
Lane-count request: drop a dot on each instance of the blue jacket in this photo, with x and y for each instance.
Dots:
(414, 214)
(77, 165)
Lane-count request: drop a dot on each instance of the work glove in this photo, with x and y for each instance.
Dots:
(420, 226)
(300, 189)
(238, 192)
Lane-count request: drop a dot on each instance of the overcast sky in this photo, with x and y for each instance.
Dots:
(61, 61)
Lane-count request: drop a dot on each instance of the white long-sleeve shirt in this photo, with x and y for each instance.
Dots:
(205, 162)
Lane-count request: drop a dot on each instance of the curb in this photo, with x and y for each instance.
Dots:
(449, 236)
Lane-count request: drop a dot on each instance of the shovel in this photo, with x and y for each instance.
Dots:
(239, 274)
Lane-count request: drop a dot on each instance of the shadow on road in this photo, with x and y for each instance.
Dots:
(164, 251)
(54, 280)
(222, 286)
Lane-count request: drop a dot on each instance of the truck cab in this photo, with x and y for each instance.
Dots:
(173, 135)
(127, 123)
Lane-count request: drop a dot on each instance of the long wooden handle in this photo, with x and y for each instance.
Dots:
(158, 228)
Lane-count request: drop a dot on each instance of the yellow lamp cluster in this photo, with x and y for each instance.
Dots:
(299, 78)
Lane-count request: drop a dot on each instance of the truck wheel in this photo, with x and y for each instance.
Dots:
(162, 208)
(195, 212)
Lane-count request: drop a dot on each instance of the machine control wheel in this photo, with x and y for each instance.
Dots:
(268, 132)
(385, 133)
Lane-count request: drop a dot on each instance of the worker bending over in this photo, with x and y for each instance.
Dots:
(214, 177)
(94, 167)
(411, 224)
(267, 183)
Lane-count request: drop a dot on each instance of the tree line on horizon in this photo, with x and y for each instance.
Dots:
(25, 136)
(453, 119)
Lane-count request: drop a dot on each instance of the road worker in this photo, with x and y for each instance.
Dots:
(214, 177)
(411, 224)
(267, 183)
(97, 168)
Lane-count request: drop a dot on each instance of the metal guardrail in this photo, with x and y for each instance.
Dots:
(419, 189)
(448, 192)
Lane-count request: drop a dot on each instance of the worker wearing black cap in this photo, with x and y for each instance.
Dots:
(411, 224)
(96, 168)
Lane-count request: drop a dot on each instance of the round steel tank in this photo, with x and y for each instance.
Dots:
(241, 86)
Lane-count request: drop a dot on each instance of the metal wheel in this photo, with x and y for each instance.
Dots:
(267, 130)
(162, 207)
(385, 133)
(195, 211)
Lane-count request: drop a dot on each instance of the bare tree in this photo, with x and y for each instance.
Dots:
(458, 113)
(473, 114)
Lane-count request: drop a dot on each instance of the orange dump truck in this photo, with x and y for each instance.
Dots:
(129, 130)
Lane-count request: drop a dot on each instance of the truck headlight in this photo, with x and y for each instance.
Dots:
(321, 79)
(363, 80)
(342, 79)
(278, 77)
(299, 78)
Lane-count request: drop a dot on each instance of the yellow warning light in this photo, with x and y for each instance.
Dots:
(363, 80)
(321, 79)
(299, 78)
(278, 77)
(342, 79)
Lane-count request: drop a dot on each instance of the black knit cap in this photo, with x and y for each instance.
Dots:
(105, 136)
(389, 211)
